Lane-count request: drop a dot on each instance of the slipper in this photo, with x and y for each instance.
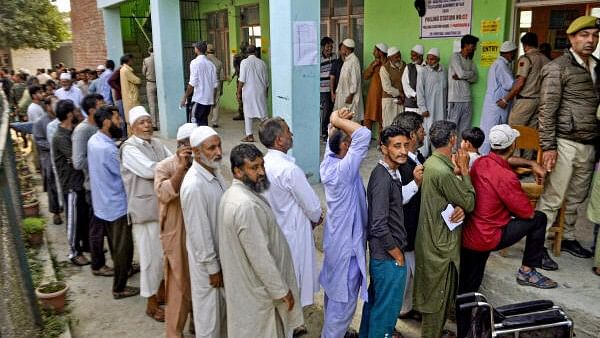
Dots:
(128, 291)
(104, 271)
(80, 260)
(300, 331)
(596, 271)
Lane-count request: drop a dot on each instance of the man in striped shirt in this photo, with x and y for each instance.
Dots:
(327, 58)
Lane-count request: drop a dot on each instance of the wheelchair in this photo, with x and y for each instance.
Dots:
(477, 318)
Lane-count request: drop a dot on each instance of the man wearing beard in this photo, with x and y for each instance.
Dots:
(257, 264)
(201, 191)
(109, 199)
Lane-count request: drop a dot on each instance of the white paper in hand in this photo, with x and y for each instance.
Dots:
(446, 216)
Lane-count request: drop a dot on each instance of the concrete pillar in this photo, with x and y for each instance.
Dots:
(168, 62)
(296, 88)
(112, 31)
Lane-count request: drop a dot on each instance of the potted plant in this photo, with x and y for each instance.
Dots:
(31, 206)
(33, 228)
(52, 295)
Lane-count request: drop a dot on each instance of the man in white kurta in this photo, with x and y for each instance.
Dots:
(140, 154)
(201, 191)
(255, 256)
(432, 94)
(294, 203)
(349, 90)
(253, 89)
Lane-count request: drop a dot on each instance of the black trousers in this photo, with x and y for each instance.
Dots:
(51, 190)
(98, 229)
(78, 222)
(120, 241)
(326, 108)
(201, 112)
(472, 263)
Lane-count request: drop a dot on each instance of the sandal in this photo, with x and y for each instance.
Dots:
(249, 138)
(536, 279)
(128, 291)
(300, 331)
(80, 260)
(596, 271)
(104, 271)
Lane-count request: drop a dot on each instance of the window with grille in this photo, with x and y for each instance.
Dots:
(250, 25)
(341, 19)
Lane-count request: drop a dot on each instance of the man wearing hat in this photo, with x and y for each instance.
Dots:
(502, 216)
(349, 89)
(140, 154)
(214, 110)
(569, 128)
(432, 94)
(409, 78)
(392, 98)
(68, 91)
(500, 81)
(526, 87)
(373, 108)
(168, 177)
(201, 192)
(150, 76)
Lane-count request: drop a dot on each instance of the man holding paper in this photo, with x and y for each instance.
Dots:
(437, 248)
(503, 216)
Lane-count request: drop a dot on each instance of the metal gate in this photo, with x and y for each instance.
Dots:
(191, 26)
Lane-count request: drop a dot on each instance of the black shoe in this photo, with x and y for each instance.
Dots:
(574, 248)
(351, 334)
(238, 117)
(548, 263)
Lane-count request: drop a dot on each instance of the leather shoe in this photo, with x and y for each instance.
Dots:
(574, 248)
(548, 263)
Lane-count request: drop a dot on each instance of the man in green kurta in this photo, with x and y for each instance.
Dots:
(437, 250)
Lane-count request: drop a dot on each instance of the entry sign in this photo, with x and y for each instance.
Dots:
(490, 50)
(446, 18)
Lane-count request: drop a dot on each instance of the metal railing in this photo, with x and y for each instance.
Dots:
(19, 313)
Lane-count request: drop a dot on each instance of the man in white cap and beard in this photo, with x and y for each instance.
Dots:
(168, 177)
(392, 98)
(432, 94)
(409, 78)
(201, 193)
(373, 105)
(349, 90)
(68, 91)
(140, 154)
(496, 103)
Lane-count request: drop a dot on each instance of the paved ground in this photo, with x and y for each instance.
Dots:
(96, 314)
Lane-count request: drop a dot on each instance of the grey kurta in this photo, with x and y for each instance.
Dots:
(257, 267)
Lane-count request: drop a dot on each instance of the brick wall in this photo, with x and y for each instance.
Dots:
(89, 42)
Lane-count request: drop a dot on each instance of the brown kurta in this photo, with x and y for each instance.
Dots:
(172, 237)
(129, 89)
(373, 107)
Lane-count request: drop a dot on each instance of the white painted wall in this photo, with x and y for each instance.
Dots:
(31, 59)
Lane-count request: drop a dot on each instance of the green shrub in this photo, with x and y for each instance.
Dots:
(33, 225)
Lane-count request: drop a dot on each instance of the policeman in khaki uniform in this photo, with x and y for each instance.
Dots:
(569, 128)
(526, 87)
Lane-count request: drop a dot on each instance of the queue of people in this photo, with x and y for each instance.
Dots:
(241, 258)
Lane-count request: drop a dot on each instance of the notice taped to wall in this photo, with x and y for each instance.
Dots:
(306, 51)
(490, 26)
(446, 18)
(490, 50)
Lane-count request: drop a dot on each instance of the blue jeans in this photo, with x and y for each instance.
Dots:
(386, 293)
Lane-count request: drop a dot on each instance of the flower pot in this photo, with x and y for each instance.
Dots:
(31, 209)
(35, 239)
(52, 296)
